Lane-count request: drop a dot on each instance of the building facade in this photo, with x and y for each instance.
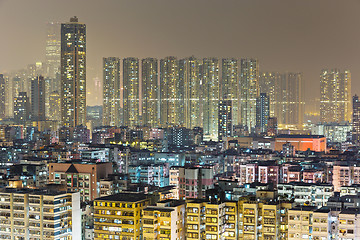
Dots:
(150, 92)
(249, 91)
(73, 73)
(335, 98)
(111, 92)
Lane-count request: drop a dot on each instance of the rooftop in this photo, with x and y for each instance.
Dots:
(124, 197)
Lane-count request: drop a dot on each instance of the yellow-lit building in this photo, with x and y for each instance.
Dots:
(211, 94)
(258, 220)
(195, 219)
(119, 216)
(131, 92)
(111, 92)
(335, 98)
(207, 220)
(190, 76)
(73, 73)
(284, 208)
(171, 93)
(150, 90)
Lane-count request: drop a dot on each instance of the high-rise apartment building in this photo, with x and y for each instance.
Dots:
(54, 106)
(21, 108)
(230, 86)
(171, 93)
(289, 99)
(150, 92)
(210, 97)
(73, 73)
(225, 124)
(190, 76)
(131, 92)
(249, 91)
(53, 49)
(34, 214)
(267, 84)
(335, 99)
(111, 92)
(356, 119)
(38, 98)
(2, 96)
(262, 112)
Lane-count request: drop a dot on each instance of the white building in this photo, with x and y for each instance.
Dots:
(33, 214)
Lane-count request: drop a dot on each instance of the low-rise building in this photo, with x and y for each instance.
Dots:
(119, 216)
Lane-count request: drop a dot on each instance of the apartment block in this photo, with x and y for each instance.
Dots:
(194, 181)
(166, 220)
(300, 222)
(345, 175)
(82, 177)
(39, 214)
(119, 216)
(259, 220)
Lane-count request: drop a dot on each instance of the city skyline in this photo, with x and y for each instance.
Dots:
(279, 45)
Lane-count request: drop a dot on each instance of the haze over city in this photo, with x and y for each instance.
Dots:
(295, 36)
(179, 120)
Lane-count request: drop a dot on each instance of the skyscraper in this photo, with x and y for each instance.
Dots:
(171, 93)
(38, 98)
(150, 92)
(289, 98)
(356, 119)
(267, 84)
(230, 86)
(131, 92)
(225, 119)
(53, 49)
(54, 106)
(210, 95)
(73, 73)
(335, 90)
(262, 112)
(111, 92)
(2, 96)
(190, 76)
(249, 91)
(21, 108)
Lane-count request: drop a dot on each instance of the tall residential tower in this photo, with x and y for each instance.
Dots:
(171, 93)
(111, 92)
(38, 98)
(249, 91)
(190, 76)
(150, 92)
(210, 97)
(335, 99)
(73, 73)
(131, 92)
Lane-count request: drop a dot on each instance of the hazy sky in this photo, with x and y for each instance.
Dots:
(285, 35)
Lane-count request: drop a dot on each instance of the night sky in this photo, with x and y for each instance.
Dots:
(285, 35)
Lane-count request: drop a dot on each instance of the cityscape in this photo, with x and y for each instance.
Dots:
(166, 145)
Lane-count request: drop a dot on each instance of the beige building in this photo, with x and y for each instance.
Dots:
(33, 214)
(166, 220)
